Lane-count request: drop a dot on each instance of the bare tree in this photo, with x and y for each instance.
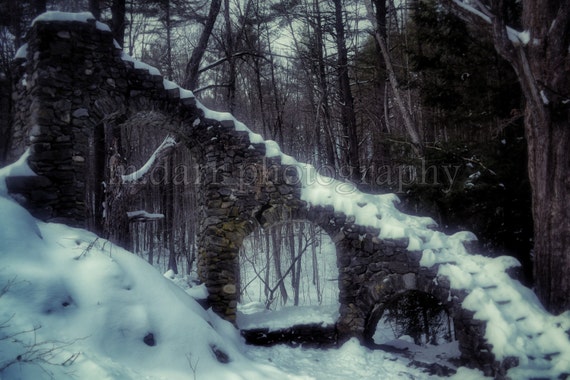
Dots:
(348, 117)
(193, 65)
(380, 35)
(540, 58)
(118, 11)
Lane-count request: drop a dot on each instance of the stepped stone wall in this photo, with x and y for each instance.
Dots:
(72, 91)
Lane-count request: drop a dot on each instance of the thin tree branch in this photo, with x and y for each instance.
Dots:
(163, 151)
(225, 59)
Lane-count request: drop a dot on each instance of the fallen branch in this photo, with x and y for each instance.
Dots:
(159, 154)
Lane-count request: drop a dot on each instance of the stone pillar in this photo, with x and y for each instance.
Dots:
(65, 72)
(228, 203)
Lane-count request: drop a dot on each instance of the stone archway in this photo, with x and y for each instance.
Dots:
(395, 287)
(244, 181)
(293, 261)
(411, 313)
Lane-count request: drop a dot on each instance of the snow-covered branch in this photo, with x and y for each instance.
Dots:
(141, 215)
(486, 16)
(163, 150)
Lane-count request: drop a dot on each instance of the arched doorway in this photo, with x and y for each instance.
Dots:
(414, 316)
(289, 268)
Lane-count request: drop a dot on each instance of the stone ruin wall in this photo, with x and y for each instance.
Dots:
(73, 78)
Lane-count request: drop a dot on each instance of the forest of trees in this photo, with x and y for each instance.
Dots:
(425, 98)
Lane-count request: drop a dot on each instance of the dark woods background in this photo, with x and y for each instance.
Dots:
(438, 119)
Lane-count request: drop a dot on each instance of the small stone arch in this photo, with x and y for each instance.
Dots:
(274, 217)
(387, 287)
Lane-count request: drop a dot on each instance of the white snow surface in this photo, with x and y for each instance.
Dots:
(255, 315)
(18, 168)
(144, 215)
(92, 304)
(113, 298)
(75, 306)
(70, 16)
(22, 52)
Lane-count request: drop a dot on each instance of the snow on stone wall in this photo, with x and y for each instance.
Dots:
(73, 76)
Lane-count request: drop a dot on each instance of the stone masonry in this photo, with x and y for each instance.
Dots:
(74, 83)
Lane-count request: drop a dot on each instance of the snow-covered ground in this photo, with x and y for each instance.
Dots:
(74, 306)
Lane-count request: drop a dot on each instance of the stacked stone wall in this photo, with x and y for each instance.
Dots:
(73, 80)
(75, 84)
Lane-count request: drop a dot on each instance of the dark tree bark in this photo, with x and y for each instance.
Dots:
(230, 48)
(380, 36)
(191, 80)
(118, 10)
(328, 140)
(348, 116)
(168, 25)
(170, 215)
(277, 238)
(95, 8)
(40, 6)
(542, 64)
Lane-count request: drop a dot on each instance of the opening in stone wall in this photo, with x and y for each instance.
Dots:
(414, 318)
(288, 271)
(163, 217)
(162, 209)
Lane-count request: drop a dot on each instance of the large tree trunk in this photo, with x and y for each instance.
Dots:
(541, 59)
(543, 68)
(549, 173)
(348, 116)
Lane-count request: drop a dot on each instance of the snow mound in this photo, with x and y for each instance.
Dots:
(119, 305)
(69, 16)
(73, 304)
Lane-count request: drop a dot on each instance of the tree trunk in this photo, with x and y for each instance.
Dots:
(549, 169)
(542, 65)
(543, 69)
(151, 243)
(541, 60)
(380, 37)
(191, 80)
(328, 140)
(276, 237)
(230, 48)
(348, 116)
(170, 215)
(118, 10)
(168, 22)
(293, 254)
(95, 8)
(297, 269)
